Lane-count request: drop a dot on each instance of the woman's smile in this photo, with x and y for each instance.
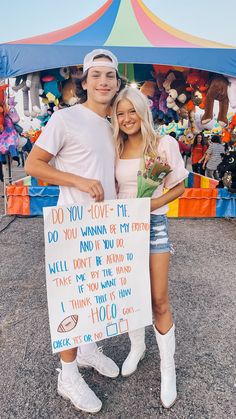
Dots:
(128, 119)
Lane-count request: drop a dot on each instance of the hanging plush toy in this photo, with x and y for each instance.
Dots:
(178, 96)
(198, 80)
(9, 138)
(12, 112)
(218, 90)
(198, 116)
(197, 84)
(76, 71)
(172, 76)
(229, 133)
(225, 136)
(35, 89)
(68, 87)
(68, 92)
(232, 91)
(149, 90)
(164, 115)
(187, 137)
(35, 135)
(162, 96)
(51, 80)
(232, 124)
(2, 105)
(31, 87)
(46, 115)
(20, 84)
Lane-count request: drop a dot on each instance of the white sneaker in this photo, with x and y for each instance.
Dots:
(78, 392)
(100, 362)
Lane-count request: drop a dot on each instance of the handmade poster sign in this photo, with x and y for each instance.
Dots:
(97, 270)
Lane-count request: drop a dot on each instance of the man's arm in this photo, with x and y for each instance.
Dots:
(37, 165)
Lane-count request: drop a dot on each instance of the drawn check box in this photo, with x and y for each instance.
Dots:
(123, 326)
(112, 329)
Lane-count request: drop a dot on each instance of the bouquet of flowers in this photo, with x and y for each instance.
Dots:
(151, 175)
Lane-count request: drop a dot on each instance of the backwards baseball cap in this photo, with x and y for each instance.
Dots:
(91, 56)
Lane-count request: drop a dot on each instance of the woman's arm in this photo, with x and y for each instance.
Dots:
(168, 197)
(37, 165)
(206, 158)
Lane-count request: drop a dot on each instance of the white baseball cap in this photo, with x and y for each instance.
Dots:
(89, 60)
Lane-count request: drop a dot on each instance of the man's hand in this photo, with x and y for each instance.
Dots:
(91, 186)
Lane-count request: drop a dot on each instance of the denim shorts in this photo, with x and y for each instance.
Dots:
(159, 234)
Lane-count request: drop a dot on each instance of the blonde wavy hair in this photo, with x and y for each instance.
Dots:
(141, 106)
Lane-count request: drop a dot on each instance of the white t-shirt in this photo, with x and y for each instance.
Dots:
(82, 144)
(127, 169)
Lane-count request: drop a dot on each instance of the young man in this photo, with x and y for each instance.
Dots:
(80, 139)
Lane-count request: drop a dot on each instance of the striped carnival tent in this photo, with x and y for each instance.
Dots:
(129, 29)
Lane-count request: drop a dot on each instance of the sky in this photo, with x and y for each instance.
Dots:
(211, 19)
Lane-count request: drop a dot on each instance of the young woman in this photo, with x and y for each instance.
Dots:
(134, 136)
(198, 154)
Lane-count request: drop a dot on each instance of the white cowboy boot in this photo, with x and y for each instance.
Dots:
(137, 352)
(166, 344)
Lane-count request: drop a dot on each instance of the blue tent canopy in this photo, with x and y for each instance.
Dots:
(130, 30)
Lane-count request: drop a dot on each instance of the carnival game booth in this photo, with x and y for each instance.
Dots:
(201, 199)
(135, 34)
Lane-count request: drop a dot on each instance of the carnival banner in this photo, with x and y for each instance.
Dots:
(97, 270)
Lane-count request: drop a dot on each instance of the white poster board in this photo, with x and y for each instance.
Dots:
(97, 270)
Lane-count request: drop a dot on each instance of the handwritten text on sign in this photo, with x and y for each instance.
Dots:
(97, 270)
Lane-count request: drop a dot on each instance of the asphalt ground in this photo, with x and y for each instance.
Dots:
(203, 294)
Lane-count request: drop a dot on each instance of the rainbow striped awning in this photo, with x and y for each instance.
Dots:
(201, 199)
(130, 30)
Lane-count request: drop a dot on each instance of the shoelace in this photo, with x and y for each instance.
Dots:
(97, 356)
(97, 353)
(79, 379)
(82, 388)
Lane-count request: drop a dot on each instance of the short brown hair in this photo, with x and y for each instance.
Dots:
(82, 94)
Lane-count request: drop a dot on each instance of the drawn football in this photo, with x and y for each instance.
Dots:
(68, 323)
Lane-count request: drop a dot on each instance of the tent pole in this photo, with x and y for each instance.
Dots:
(125, 71)
(7, 180)
(9, 168)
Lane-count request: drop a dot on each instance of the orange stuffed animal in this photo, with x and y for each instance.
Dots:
(69, 97)
(232, 124)
(148, 88)
(226, 136)
(229, 133)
